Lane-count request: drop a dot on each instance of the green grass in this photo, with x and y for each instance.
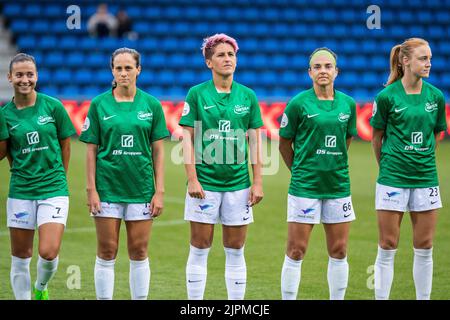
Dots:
(265, 246)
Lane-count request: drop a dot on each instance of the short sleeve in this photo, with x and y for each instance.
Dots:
(441, 122)
(90, 132)
(351, 126)
(189, 115)
(289, 121)
(3, 129)
(159, 127)
(380, 111)
(255, 113)
(64, 125)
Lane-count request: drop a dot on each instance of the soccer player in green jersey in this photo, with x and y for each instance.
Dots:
(3, 136)
(315, 133)
(123, 130)
(217, 116)
(39, 151)
(408, 117)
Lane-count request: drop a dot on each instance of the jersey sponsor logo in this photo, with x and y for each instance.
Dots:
(343, 117)
(374, 108)
(142, 115)
(239, 109)
(45, 119)
(33, 137)
(186, 109)
(13, 127)
(400, 110)
(392, 194)
(86, 125)
(127, 141)
(224, 125)
(205, 206)
(416, 137)
(312, 115)
(431, 106)
(306, 211)
(109, 117)
(330, 141)
(21, 215)
(209, 107)
(284, 121)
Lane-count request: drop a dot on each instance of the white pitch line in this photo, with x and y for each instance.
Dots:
(90, 229)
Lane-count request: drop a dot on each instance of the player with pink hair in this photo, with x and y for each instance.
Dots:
(219, 188)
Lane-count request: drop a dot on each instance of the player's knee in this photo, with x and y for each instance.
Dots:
(423, 243)
(201, 243)
(22, 253)
(338, 250)
(296, 253)
(107, 252)
(388, 244)
(138, 252)
(48, 253)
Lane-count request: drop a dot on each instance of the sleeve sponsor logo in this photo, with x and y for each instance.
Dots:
(374, 108)
(284, 121)
(86, 125)
(186, 109)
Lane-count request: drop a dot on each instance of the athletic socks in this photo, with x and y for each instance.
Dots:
(423, 272)
(384, 273)
(104, 278)
(139, 279)
(20, 278)
(196, 271)
(290, 278)
(235, 273)
(337, 277)
(46, 269)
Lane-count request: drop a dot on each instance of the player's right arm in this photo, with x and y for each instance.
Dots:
(377, 141)
(3, 149)
(92, 194)
(287, 153)
(195, 189)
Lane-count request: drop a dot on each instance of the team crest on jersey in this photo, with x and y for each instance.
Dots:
(284, 121)
(239, 109)
(45, 119)
(343, 117)
(374, 108)
(431, 106)
(142, 115)
(86, 125)
(186, 109)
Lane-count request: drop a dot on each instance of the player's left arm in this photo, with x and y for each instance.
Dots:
(65, 152)
(349, 141)
(256, 191)
(157, 203)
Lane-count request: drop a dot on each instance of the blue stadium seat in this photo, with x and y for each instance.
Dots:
(32, 10)
(83, 76)
(12, 10)
(62, 76)
(53, 10)
(54, 59)
(26, 43)
(75, 60)
(20, 26)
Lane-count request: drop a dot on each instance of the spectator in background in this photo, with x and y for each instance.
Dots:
(125, 26)
(102, 23)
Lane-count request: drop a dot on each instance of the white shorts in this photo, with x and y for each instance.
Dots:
(315, 211)
(407, 199)
(229, 208)
(27, 214)
(125, 211)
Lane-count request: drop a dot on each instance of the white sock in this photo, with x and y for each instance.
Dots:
(337, 277)
(384, 273)
(423, 272)
(290, 278)
(20, 278)
(196, 271)
(139, 279)
(104, 278)
(235, 273)
(46, 269)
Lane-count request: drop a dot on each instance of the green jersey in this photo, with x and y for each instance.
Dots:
(220, 122)
(37, 170)
(319, 130)
(124, 132)
(409, 122)
(3, 129)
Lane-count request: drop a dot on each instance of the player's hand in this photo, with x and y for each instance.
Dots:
(93, 202)
(195, 190)
(156, 206)
(256, 194)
